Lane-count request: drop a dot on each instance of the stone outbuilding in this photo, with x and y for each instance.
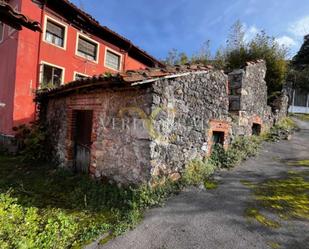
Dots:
(134, 127)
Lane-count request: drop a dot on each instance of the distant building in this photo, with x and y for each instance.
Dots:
(299, 98)
(299, 101)
(72, 45)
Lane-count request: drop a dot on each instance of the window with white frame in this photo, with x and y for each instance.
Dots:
(79, 76)
(87, 48)
(55, 33)
(1, 31)
(112, 60)
(51, 76)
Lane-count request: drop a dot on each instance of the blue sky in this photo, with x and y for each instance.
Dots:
(160, 25)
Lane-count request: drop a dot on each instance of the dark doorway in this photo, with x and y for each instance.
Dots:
(256, 129)
(217, 137)
(82, 140)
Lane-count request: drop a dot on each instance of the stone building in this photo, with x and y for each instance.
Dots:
(248, 99)
(139, 125)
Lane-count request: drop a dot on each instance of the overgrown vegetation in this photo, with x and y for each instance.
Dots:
(42, 207)
(32, 143)
(281, 130)
(241, 149)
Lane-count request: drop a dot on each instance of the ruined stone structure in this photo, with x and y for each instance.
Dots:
(148, 124)
(280, 106)
(248, 99)
(143, 125)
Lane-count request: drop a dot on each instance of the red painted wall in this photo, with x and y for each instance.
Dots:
(8, 56)
(21, 55)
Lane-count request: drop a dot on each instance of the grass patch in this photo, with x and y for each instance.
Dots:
(42, 207)
(303, 117)
(301, 163)
(211, 184)
(287, 198)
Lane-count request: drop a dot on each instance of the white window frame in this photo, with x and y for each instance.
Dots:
(52, 65)
(65, 26)
(115, 52)
(75, 73)
(2, 39)
(78, 34)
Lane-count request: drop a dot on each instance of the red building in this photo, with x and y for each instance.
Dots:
(72, 45)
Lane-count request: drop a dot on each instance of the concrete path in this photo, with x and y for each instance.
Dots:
(215, 219)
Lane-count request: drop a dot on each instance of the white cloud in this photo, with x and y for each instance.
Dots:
(286, 41)
(250, 32)
(300, 28)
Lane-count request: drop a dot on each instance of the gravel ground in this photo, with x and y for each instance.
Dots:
(215, 219)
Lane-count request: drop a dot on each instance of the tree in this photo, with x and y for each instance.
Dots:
(203, 56)
(263, 47)
(236, 37)
(299, 68)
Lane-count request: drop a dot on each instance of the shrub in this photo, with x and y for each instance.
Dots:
(281, 130)
(32, 143)
(197, 171)
(241, 149)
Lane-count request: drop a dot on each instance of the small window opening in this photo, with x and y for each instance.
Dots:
(218, 137)
(256, 129)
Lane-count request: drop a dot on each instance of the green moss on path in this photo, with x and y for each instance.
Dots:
(300, 163)
(211, 184)
(287, 198)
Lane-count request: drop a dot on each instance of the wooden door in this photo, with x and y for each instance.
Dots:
(83, 130)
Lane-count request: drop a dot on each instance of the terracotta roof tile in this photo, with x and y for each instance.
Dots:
(126, 78)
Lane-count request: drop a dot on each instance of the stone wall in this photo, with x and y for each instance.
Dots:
(248, 98)
(185, 107)
(143, 132)
(152, 130)
(120, 142)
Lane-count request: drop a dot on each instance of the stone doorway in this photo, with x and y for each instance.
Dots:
(82, 140)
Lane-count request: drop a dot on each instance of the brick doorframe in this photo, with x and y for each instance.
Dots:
(218, 126)
(76, 104)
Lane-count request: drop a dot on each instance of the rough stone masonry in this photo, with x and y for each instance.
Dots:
(149, 124)
(248, 99)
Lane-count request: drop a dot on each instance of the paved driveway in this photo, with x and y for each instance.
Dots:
(215, 219)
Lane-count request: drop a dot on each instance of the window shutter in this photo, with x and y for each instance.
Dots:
(87, 47)
(55, 29)
(112, 60)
